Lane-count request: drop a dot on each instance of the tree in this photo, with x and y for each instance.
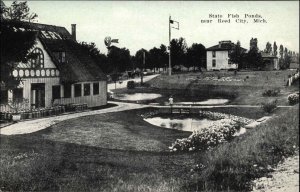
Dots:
(99, 58)
(18, 11)
(281, 51)
(237, 55)
(178, 51)
(275, 49)
(119, 59)
(15, 43)
(268, 48)
(196, 56)
(253, 58)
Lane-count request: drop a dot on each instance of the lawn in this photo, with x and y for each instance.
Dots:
(114, 151)
(121, 152)
(244, 88)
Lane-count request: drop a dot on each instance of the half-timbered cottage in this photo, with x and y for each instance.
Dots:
(62, 73)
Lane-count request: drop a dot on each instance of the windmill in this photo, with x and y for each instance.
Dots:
(108, 41)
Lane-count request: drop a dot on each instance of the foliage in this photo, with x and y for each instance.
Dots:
(99, 58)
(208, 137)
(119, 58)
(275, 49)
(293, 98)
(237, 55)
(18, 104)
(16, 47)
(271, 92)
(157, 57)
(281, 51)
(130, 85)
(232, 166)
(268, 48)
(15, 44)
(196, 56)
(269, 107)
(18, 11)
(178, 51)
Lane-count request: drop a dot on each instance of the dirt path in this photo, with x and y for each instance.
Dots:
(285, 178)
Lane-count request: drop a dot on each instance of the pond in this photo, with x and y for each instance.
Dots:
(206, 102)
(136, 96)
(186, 123)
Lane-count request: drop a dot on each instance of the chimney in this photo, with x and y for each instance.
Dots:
(220, 43)
(73, 31)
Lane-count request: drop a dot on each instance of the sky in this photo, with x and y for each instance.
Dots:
(144, 24)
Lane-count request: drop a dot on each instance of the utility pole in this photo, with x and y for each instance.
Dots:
(170, 73)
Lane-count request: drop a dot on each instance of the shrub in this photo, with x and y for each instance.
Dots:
(130, 85)
(271, 92)
(269, 107)
(293, 98)
(208, 137)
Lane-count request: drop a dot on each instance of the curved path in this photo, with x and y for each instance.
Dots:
(31, 126)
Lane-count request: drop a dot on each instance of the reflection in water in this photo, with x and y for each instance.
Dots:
(137, 96)
(186, 124)
(206, 102)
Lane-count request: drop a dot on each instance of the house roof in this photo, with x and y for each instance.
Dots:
(267, 55)
(223, 46)
(79, 66)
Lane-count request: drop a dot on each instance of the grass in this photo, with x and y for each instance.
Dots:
(241, 90)
(107, 153)
(233, 165)
(77, 155)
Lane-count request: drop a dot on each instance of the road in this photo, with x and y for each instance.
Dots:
(111, 86)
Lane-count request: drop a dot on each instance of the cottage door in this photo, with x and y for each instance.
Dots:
(38, 95)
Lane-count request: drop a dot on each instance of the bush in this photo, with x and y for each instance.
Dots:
(208, 137)
(271, 93)
(269, 107)
(293, 98)
(130, 85)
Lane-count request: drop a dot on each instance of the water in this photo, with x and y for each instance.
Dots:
(206, 102)
(186, 124)
(136, 96)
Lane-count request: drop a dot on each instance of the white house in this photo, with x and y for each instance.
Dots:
(218, 56)
(63, 72)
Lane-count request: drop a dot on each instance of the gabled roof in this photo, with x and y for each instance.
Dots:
(223, 46)
(79, 67)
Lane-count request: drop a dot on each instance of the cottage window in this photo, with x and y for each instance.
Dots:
(67, 90)
(62, 57)
(4, 96)
(87, 89)
(38, 61)
(77, 89)
(95, 88)
(214, 63)
(214, 54)
(17, 94)
(56, 92)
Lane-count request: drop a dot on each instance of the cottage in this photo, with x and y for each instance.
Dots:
(270, 62)
(218, 56)
(62, 73)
